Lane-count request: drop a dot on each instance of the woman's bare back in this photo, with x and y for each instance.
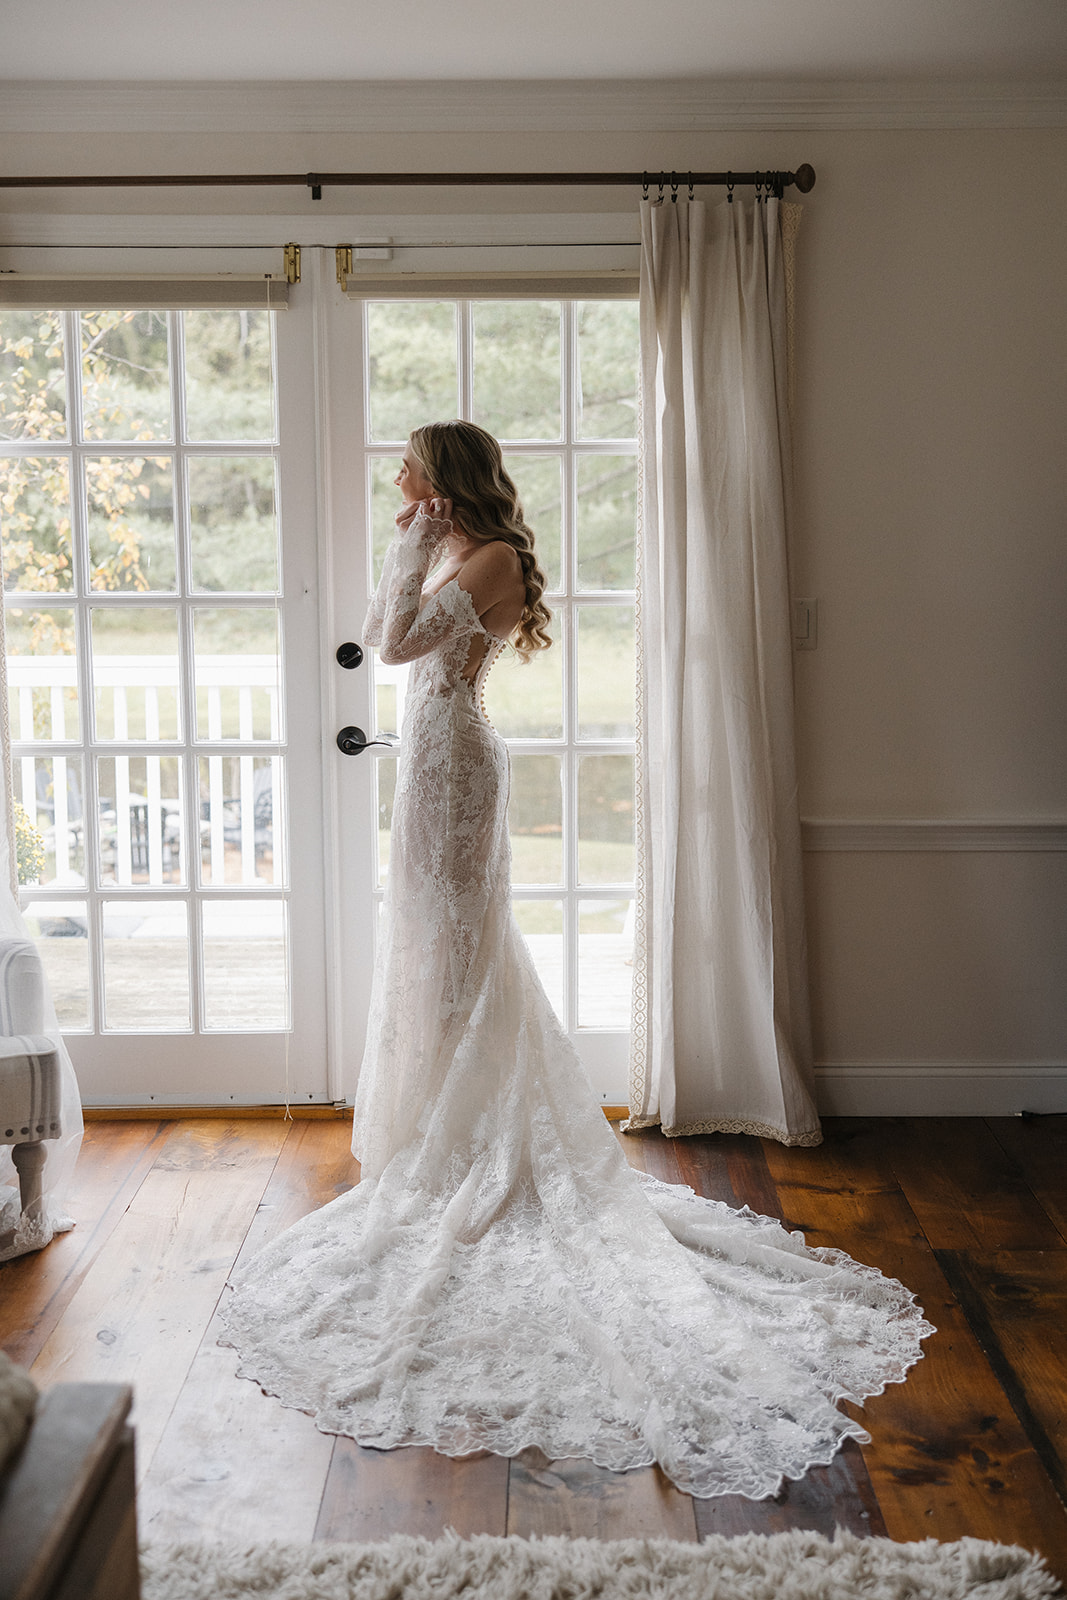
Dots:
(491, 573)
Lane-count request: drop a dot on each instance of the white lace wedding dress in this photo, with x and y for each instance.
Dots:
(500, 1277)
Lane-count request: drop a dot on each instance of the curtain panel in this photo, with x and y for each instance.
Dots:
(721, 1028)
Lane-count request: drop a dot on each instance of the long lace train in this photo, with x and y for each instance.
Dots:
(501, 1277)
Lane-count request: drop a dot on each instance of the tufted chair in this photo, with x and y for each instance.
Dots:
(29, 1068)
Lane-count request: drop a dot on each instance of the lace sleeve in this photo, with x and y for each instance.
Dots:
(397, 622)
(372, 622)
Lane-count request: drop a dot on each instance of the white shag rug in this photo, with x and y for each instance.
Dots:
(782, 1566)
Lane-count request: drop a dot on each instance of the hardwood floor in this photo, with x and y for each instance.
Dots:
(971, 1214)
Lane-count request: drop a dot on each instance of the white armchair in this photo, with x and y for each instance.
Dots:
(29, 1069)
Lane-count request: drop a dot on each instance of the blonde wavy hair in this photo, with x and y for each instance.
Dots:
(465, 465)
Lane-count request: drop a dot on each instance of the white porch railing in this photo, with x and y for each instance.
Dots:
(140, 826)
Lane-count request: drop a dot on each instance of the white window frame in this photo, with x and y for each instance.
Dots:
(209, 1065)
(604, 1050)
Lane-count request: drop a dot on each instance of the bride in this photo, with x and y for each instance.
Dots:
(501, 1277)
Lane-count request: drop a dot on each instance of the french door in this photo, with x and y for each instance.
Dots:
(158, 491)
(195, 505)
(555, 380)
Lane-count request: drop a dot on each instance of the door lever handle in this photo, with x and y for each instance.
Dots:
(353, 741)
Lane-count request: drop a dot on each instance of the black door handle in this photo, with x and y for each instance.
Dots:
(353, 741)
(349, 655)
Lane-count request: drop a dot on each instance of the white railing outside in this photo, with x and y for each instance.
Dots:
(141, 833)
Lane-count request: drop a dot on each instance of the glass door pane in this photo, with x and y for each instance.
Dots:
(142, 455)
(556, 381)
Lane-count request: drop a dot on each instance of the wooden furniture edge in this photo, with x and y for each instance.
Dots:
(49, 1490)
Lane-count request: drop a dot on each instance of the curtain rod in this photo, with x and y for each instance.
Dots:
(776, 182)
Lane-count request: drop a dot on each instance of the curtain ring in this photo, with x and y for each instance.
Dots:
(729, 188)
(660, 185)
(674, 188)
(690, 188)
(759, 188)
(644, 186)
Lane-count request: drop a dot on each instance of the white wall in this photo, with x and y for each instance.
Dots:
(933, 514)
(931, 527)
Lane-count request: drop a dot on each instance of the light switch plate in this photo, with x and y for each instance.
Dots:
(805, 624)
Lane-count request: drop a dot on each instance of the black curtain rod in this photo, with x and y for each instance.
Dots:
(776, 182)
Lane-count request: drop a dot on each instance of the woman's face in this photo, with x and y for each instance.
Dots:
(411, 480)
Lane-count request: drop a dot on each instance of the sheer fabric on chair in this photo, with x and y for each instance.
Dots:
(40, 1108)
(721, 1037)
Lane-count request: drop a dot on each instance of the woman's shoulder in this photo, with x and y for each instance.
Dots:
(492, 576)
(494, 558)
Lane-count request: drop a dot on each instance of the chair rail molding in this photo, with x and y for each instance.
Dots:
(929, 833)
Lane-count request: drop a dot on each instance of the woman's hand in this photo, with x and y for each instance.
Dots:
(436, 515)
(407, 514)
(438, 510)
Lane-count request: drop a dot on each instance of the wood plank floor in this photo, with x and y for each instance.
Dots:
(971, 1214)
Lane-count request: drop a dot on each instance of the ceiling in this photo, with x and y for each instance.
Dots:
(407, 40)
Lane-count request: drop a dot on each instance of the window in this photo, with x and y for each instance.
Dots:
(138, 495)
(556, 382)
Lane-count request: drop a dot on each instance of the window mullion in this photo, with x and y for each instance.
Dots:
(176, 348)
(568, 643)
(187, 749)
(465, 335)
(79, 513)
(569, 353)
(569, 773)
(79, 492)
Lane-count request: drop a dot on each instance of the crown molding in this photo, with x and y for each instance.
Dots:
(685, 105)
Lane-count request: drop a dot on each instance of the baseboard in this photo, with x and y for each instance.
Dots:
(232, 1113)
(941, 1089)
(871, 1089)
(882, 1090)
(300, 1113)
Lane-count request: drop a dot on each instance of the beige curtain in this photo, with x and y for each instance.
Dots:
(721, 1031)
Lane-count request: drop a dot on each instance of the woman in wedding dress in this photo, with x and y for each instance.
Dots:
(501, 1277)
